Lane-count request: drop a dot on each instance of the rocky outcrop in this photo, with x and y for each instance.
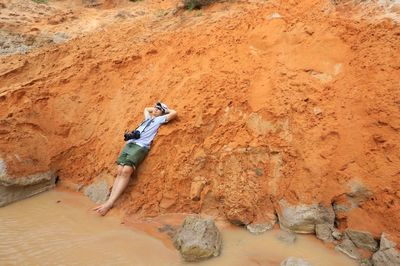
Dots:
(387, 255)
(14, 189)
(198, 239)
(386, 243)
(356, 194)
(304, 218)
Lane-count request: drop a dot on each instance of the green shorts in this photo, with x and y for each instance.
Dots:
(132, 155)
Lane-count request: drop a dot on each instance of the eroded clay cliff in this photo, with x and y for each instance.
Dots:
(281, 103)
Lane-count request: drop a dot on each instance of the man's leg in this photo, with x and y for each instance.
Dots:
(116, 181)
(100, 208)
(120, 183)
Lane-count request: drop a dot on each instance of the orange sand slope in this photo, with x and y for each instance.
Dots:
(294, 100)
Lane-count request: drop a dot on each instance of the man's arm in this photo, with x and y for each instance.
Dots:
(171, 115)
(147, 112)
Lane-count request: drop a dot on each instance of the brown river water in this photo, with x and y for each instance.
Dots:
(58, 228)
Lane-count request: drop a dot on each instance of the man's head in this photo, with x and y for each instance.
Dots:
(160, 109)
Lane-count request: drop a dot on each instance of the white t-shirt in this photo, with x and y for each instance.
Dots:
(147, 134)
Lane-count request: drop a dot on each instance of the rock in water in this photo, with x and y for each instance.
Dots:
(262, 226)
(198, 239)
(295, 262)
(259, 228)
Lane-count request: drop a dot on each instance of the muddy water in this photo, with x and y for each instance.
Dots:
(58, 228)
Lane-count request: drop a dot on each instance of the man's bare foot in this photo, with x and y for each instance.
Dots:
(103, 208)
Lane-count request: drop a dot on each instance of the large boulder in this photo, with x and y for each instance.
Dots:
(303, 218)
(198, 239)
(14, 189)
